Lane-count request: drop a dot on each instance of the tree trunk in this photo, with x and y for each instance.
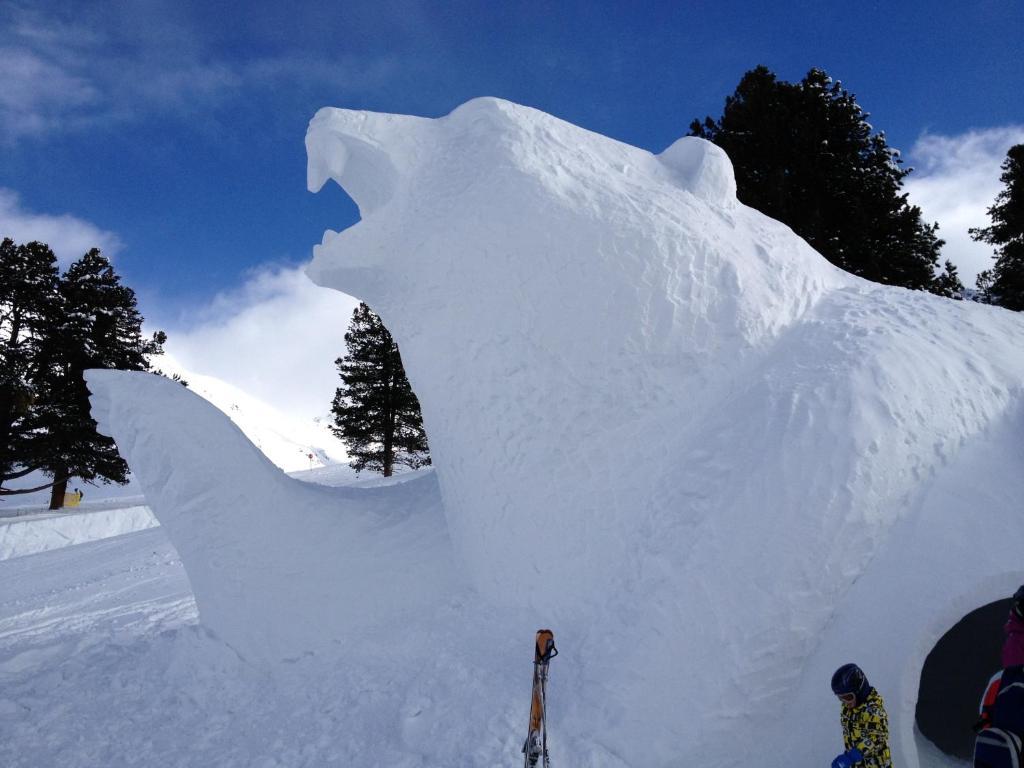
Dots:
(59, 488)
(389, 432)
(389, 452)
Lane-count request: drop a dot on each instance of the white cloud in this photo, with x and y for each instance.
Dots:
(33, 87)
(276, 337)
(71, 69)
(50, 90)
(68, 236)
(955, 181)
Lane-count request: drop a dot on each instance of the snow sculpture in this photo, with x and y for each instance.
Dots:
(650, 405)
(661, 424)
(555, 295)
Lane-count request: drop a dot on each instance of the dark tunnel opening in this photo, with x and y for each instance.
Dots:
(954, 677)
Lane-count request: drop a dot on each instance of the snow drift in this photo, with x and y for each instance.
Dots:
(661, 423)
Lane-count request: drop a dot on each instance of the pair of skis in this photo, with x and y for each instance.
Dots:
(536, 747)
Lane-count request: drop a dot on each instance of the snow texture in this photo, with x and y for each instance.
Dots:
(663, 425)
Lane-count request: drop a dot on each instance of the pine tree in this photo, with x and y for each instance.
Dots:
(804, 154)
(376, 412)
(101, 328)
(1004, 284)
(948, 283)
(52, 329)
(983, 287)
(29, 304)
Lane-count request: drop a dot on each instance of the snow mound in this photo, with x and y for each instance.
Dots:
(662, 424)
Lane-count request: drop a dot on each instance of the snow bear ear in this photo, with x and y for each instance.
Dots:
(364, 152)
(703, 168)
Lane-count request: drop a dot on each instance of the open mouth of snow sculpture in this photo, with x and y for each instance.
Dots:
(662, 425)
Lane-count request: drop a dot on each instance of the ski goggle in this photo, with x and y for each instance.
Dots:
(847, 698)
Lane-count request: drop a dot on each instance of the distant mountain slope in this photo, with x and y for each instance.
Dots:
(289, 442)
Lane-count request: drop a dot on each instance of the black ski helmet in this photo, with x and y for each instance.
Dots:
(1018, 602)
(849, 678)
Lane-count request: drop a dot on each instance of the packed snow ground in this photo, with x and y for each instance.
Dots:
(103, 662)
(662, 425)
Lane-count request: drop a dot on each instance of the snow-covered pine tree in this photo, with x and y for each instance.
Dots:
(948, 283)
(1004, 283)
(101, 328)
(805, 154)
(29, 304)
(375, 411)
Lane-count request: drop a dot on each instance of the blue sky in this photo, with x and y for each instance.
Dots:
(171, 133)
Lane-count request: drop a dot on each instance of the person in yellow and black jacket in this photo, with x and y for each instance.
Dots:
(865, 723)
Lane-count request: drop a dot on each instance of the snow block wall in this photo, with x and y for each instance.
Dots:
(661, 424)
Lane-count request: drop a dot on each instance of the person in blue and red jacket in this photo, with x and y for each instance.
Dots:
(1012, 656)
(1013, 630)
(1000, 727)
(864, 720)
